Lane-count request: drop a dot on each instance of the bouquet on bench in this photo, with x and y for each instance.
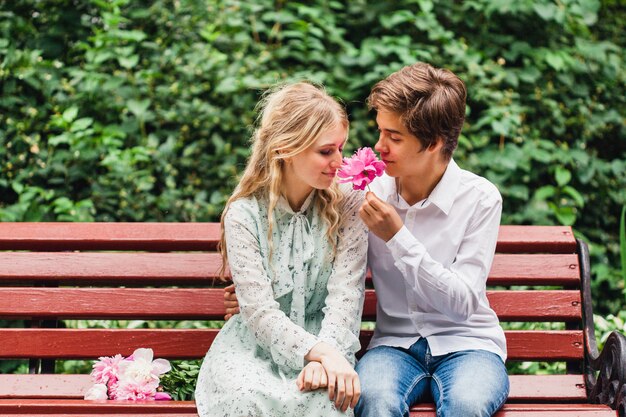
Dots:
(136, 377)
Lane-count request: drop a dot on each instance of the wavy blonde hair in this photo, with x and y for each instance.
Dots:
(291, 118)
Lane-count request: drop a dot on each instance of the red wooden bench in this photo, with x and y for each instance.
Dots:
(55, 271)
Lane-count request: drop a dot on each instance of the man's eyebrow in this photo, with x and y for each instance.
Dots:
(392, 131)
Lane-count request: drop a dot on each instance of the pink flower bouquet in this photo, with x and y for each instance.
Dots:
(361, 168)
(136, 377)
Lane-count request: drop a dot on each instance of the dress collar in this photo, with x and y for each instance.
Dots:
(284, 206)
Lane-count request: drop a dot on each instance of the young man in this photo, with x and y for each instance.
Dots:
(433, 232)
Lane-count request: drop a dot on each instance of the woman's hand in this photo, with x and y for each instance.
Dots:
(312, 377)
(230, 302)
(344, 387)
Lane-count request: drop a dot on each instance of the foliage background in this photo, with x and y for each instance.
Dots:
(141, 110)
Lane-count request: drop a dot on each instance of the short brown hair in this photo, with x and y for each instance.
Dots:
(430, 101)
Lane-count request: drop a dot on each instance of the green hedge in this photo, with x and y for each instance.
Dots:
(141, 111)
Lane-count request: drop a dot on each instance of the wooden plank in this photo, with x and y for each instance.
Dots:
(533, 410)
(529, 345)
(535, 270)
(535, 239)
(523, 387)
(93, 343)
(139, 412)
(47, 386)
(165, 236)
(60, 236)
(546, 305)
(52, 407)
(207, 303)
(187, 408)
(193, 343)
(558, 388)
(154, 268)
(102, 303)
(75, 267)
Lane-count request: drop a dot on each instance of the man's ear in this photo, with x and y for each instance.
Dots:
(435, 146)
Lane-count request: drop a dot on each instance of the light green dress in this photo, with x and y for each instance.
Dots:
(289, 304)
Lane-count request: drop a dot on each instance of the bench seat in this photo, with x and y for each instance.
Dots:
(51, 272)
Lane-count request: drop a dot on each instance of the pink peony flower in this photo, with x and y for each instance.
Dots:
(142, 368)
(106, 370)
(130, 389)
(135, 378)
(162, 396)
(361, 168)
(97, 392)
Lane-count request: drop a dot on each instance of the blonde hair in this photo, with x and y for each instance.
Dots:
(291, 118)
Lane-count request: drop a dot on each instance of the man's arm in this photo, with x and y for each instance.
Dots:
(230, 302)
(455, 290)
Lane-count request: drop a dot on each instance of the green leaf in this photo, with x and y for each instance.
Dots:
(128, 62)
(565, 215)
(545, 192)
(138, 107)
(70, 114)
(562, 176)
(81, 124)
(578, 198)
(546, 11)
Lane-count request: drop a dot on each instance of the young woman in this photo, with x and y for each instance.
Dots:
(297, 253)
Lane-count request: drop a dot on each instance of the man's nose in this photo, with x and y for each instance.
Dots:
(380, 145)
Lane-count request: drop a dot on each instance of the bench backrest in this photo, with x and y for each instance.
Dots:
(50, 272)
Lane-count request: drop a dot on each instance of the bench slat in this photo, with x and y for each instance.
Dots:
(523, 387)
(548, 305)
(42, 406)
(207, 303)
(534, 239)
(75, 267)
(535, 270)
(193, 343)
(187, 408)
(60, 236)
(109, 267)
(204, 236)
(533, 410)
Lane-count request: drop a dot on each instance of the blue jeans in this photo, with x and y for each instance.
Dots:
(466, 383)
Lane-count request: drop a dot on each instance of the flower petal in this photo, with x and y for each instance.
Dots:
(161, 366)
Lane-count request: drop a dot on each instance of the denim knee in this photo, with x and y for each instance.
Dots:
(379, 401)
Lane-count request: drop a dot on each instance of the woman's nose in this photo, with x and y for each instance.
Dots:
(336, 162)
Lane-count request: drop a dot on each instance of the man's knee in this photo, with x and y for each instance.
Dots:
(381, 401)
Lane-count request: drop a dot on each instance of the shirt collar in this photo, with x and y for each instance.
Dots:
(444, 192)
(442, 195)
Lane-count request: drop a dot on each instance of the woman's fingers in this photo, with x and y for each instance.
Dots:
(341, 393)
(300, 380)
(357, 392)
(332, 385)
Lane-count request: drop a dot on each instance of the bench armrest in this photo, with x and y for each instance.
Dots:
(605, 372)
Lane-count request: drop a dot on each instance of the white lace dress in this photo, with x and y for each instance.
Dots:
(300, 297)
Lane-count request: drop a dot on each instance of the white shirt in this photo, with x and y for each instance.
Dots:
(430, 278)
